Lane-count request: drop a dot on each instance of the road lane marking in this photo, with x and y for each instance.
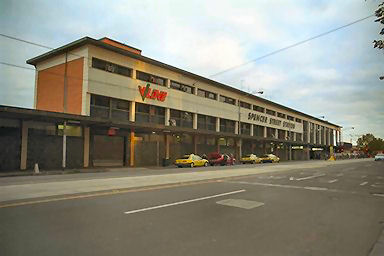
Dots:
(364, 183)
(240, 203)
(307, 178)
(382, 195)
(332, 181)
(363, 176)
(340, 174)
(184, 202)
(316, 188)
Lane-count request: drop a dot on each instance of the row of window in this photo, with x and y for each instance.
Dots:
(105, 107)
(118, 69)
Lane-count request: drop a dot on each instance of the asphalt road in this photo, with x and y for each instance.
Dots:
(331, 210)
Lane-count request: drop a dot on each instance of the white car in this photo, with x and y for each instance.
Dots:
(379, 157)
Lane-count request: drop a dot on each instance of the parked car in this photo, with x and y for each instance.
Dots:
(379, 157)
(221, 159)
(191, 160)
(250, 159)
(270, 158)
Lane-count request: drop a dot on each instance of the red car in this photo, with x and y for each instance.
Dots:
(221, 159)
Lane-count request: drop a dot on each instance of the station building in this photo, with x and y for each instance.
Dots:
(102, 103)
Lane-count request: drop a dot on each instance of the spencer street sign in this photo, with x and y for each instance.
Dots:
(147, 93)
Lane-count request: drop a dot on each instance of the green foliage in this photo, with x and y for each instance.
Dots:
(370, 143)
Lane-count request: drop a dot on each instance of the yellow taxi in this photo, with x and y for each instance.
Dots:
(251, 159)
(270, 158)
(191, 160)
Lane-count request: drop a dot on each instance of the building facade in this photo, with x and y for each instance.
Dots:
(117, 107)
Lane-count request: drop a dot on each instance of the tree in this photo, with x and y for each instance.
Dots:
(369, 143)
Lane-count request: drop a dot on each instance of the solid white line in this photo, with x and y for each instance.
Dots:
(332, 181)
(382, 195)
(340, 174)
(311, 177)
(184, 202)
(364, 183)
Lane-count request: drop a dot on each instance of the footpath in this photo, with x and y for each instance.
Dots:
(43, 189)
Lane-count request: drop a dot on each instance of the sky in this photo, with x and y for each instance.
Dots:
(335, 76)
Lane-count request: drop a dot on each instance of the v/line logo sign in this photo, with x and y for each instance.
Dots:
(147, 93)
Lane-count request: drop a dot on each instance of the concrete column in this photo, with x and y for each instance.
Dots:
(294, 136)
(134, 73)
(132, 111)
(238, 148)
(86, 148)
(328, 137)
(306, 152)
(195, 137)
(324, 137)
(265, 132)
(217, 145)
(309, 132)
(237, 127)
(24, 146)
(314, 134)
(132, 149)
(217, 124)
(168, 83)
(167, 116)
(194, 121)
(251, 130)
(286, 135)
(64, 160)
(166, 140)
(276, 133)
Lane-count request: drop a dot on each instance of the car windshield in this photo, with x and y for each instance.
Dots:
(265, 156)
(247, 155)
(185, 157)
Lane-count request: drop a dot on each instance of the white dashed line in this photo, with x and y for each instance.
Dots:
(364, 183)
(307, 178)
(382, 195)
(183, 202)
(332, 181)
(363, 176)
(339, 174)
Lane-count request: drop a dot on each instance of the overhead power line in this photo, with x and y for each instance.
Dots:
(291, 46)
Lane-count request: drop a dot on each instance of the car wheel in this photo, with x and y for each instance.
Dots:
(254, 162)
(179, 166)
(206, 164)
(192, 165)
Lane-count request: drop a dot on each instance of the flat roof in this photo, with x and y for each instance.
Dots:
(88, 40)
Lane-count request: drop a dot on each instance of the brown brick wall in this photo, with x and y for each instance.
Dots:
(50, 87)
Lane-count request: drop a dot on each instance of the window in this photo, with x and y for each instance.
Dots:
(298, 120)
(182, 87)
(258, 109)
(100, 106)
(280, 115)
(281, 134)
(206, 94)
(245, 128)
(271, 132)
(150, 78)
(271, 112)
(258, 130)
(206, 122)
(299, 137)
(226, 99)
(290, 118)
(245, 105)
(101, 101)
(149, 114)
(111, 67)
(227, 125)
(181, 118)
(120, 109)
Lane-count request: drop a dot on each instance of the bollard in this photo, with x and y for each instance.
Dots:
(36, 169)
